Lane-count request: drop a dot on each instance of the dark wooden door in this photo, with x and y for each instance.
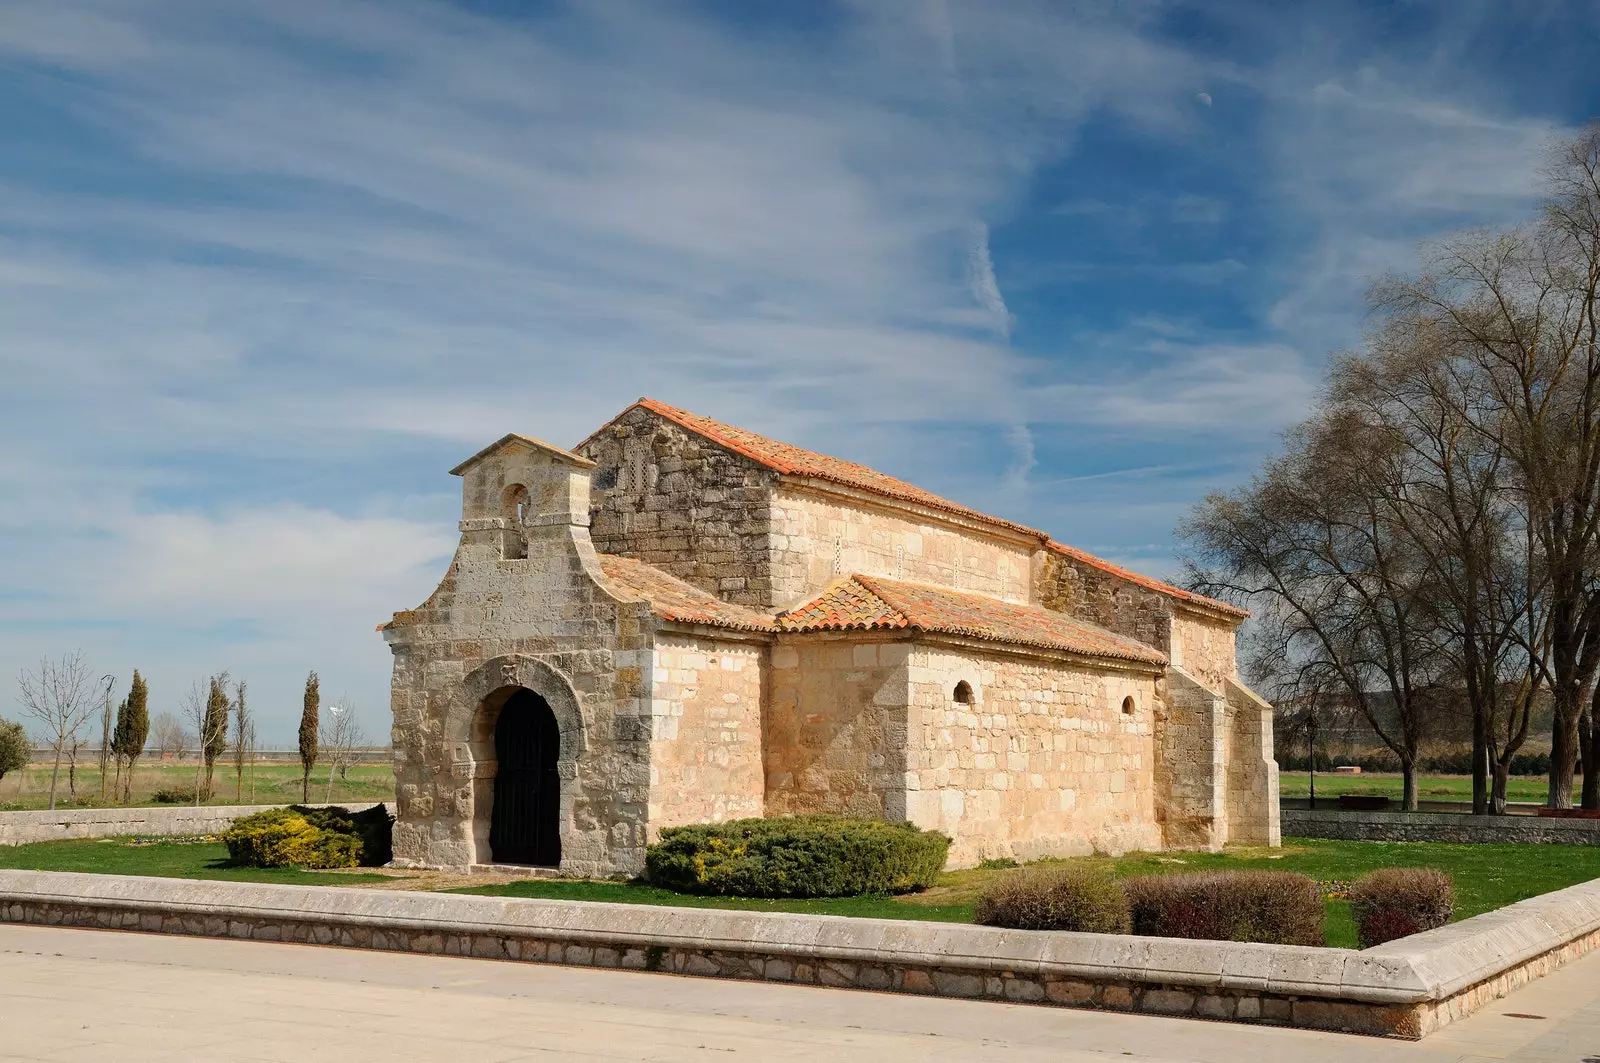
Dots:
(524, 826)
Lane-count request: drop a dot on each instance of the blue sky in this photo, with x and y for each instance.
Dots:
(267, 271)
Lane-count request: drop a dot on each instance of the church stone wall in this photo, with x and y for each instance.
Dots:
(706, 749)
(1043, 762)
(1252, 770)
(675, 500)
(819, 537)
(836, 728)
(545, 621)
(1100, 597)
(1204, 648)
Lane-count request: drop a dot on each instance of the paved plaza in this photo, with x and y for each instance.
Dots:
(95, 995)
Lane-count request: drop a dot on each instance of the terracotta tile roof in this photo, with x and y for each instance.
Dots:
(1177, 593)
(796, 461)
(671, 598)
(875, 603)
(846, 605)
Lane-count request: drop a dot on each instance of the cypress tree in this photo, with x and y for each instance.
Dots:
(308, 735)
(215, 739)
(132, 730)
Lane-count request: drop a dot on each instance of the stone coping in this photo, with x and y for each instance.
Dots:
(1406, 988)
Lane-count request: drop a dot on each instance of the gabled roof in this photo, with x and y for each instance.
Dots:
(512, 440)
(1175, 593)
(871, 603)
(791, 460)
(671, 598)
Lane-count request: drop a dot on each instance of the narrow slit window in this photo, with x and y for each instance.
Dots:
(963, 693)
(1128, 705)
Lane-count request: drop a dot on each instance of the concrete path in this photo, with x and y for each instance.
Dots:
(96, 996)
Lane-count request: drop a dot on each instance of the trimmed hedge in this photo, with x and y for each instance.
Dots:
(1397, 902)
(311, 837)
(797, 856)
(1061, 897)
(1272, 907)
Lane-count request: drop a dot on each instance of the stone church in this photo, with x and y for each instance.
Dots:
(678, 621)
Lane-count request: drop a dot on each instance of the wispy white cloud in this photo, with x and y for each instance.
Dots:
(290, 261)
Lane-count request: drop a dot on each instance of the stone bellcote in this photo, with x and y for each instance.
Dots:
(518, 488)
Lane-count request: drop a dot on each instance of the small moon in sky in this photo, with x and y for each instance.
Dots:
(1203, 97)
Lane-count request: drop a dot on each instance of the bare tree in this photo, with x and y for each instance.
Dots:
(1338, 588)
(1445, 486)
(105, 737)
(341, 741)
(210, 729)
(1523, 308)
(169, 735)
(243, 730)
(60, 695)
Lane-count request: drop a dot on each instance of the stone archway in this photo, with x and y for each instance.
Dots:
(490, 688)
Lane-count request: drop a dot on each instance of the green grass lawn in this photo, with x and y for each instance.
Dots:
(1519, 788)
(273, 784)
(1486, 876)
(167, 858)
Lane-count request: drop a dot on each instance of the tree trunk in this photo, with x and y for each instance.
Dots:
(116, 788)
(1590, 735)
(1408, 774)
(127, 782)
(1563, 750)
(1497, 796)
(1481, 796)
(55, 778)
(305, 787)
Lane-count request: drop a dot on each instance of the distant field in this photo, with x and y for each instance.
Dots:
(266, 784)
(1429, 787)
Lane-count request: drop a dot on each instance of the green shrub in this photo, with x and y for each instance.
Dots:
(797, 856)
(1058, 897)
(1397, 902)
(373, 826)
(284, 837)
(15, 748)
(1274, 907)
(174, 795)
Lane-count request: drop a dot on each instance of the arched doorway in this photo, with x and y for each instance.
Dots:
(524, 824)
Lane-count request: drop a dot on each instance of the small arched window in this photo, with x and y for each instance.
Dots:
(515, 509)
(963, 693)
(1128, 706)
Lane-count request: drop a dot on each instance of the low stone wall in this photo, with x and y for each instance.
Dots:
(1437, 827)
(1407, 988)
(23, 828)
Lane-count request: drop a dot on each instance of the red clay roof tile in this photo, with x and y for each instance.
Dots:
(875, 603)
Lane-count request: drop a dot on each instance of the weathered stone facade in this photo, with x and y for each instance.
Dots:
(717, 625)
